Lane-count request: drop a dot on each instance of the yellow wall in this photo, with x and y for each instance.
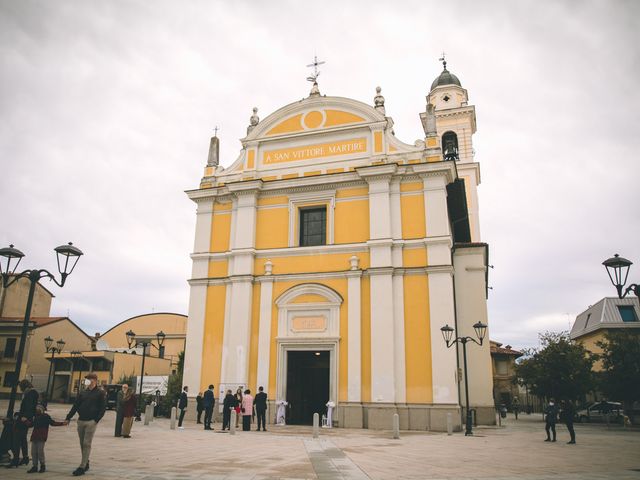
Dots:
(221, 227)
(272, 228)
(589, 342)
(313, 263)
(413, 219)
(127, 364)
(351, 221)
(213, 336)
(417, 339)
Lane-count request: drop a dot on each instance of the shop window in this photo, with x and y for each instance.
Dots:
(9, 379)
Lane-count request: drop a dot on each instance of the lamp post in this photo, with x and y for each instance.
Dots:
(67, 258)
(447, 333)
(144, 343)
(618, 270)
(78, 354)
(48, 344)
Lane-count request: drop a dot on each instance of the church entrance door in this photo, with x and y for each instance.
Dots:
(307, 385)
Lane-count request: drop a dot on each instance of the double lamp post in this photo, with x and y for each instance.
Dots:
(144, 343)
(10, 257)
(48, 345)
(447, 333)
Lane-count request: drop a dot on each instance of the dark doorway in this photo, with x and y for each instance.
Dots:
(307, 385)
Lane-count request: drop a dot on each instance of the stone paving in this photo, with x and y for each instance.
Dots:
(515, 450)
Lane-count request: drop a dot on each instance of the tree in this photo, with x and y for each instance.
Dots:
(620, 376)
(174, 386)
(560, 369)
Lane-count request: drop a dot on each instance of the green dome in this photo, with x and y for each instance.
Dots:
(445, 78)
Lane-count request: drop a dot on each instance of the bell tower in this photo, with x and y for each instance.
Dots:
(455, 126)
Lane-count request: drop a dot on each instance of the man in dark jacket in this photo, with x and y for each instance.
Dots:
(199, 407)
(568, 415)
(208, 401)
(90, 406)
(182, 405)
(551, 416)
(230, 402)
(260, 404)
(21, 423)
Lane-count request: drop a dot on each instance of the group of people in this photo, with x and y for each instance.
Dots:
(566, 413)
(242, 402)
(90, 406)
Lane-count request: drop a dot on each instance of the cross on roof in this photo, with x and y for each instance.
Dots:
(215, 131)
(316, 73)
(443, 59)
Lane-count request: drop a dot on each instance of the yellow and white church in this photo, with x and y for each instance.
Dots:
(328, 256)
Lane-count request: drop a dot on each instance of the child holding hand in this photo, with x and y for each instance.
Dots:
(41, 423)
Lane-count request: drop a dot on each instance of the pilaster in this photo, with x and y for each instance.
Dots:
(354, 350)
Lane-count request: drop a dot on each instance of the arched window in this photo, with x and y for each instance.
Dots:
(450, 146)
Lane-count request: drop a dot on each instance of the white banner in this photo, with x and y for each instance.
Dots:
(152, 383)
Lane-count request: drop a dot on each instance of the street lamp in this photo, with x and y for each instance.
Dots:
(67, 257)
(144, 343)
(618, 270)
(78, 354)
(447, 333)
(48, 345)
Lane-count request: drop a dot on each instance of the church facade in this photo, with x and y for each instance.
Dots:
(330, 254)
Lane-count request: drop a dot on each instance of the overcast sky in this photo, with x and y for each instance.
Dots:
(107, 108)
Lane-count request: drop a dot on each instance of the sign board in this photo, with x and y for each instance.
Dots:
(152, 383)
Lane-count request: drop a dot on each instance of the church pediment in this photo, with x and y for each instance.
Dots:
(314, 115)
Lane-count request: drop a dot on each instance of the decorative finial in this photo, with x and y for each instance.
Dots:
(253, 120)
(443, 60)
(214, 150)
(268, 267)
(315, 91)
(378, 101)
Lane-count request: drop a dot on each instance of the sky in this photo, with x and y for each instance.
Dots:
(107, 108)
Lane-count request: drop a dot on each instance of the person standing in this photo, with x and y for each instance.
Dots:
(129, 403)
(199, 407)
(182, 405)
(238, 405)
(41, 423)
(551, 416)
(119, 417)
(228, 404)
(21, 422)
(516, 406)
(260, 403)
(208, 401)
(247, 410)
(90, 406)
(568, 414)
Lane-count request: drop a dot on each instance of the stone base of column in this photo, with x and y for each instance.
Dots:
(485, 415)
(350, 415)
(413, 416)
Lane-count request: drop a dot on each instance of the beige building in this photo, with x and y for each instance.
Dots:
(13, 300)
(608, 314)
(146, 326)
(503, 361)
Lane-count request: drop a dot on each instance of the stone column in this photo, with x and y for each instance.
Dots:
(264, 332)
(198, 296)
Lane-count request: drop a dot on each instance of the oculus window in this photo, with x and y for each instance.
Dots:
(313, 226)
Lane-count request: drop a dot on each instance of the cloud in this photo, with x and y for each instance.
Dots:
(107, 110)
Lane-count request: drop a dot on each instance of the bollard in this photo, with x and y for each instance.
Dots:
(173, 417)
(232, 425)
(396, 426)
(146, 415)
(499, 417)
(449, 424)
(316, 426)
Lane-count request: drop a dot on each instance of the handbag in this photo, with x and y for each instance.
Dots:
(242, 409)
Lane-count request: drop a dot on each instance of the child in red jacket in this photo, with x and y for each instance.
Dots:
(41, 423)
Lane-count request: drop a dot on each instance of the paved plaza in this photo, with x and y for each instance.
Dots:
(515, 450)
